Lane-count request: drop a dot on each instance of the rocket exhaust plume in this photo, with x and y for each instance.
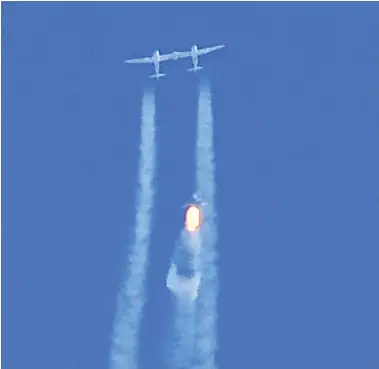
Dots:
(183, 279)
(131, 296)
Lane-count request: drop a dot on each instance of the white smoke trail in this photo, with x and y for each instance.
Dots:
(206, 315)
(195, 341)
(131, 297)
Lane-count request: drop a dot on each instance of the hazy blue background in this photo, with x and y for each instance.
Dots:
(296, 145)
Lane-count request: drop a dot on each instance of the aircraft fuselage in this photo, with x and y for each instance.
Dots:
(156, 60)
(195, 57)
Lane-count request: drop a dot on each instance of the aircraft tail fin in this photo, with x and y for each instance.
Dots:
(157, 76)
(194, 69)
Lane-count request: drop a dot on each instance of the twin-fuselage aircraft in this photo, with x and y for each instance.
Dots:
(156, 58)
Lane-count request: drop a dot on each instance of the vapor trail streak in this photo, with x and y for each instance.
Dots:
(206, 314)
(131, 296)
(195, 341)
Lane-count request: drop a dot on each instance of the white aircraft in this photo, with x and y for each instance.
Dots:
(155, 59)
(194, 54)
(197, 201)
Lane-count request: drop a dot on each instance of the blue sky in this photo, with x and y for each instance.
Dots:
(296, 144)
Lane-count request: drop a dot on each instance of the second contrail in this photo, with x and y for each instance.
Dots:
(206, 314)
(131, 296)
(192, 276)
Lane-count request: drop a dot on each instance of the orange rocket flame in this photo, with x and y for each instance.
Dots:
(192, 219)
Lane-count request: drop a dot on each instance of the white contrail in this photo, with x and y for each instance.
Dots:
(131, 297)
(206, 314)
(195, 341)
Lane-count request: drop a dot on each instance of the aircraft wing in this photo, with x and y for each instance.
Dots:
(180, 54)
(139, 61)
(207, 50)
(172, 56)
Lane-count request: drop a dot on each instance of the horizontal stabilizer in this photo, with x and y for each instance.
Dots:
(194, 69)
(157, 76)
